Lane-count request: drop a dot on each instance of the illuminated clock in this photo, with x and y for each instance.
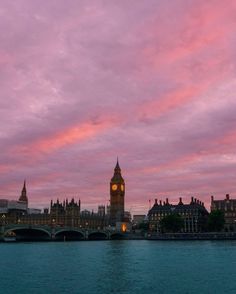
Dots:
(122, 187)
(114, 187)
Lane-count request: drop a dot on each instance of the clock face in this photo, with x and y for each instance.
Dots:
(122, 187)
(114, 187)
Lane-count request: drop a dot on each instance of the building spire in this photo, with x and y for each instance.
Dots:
(23, 196)
(117, 168)
(24, 186)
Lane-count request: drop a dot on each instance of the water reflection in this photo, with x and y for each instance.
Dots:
(102, 267)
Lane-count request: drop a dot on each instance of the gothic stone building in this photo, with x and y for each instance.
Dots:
(65, 213)
(228, 207)
(194, 214)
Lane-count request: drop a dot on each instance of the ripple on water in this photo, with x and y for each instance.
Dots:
(119, 267)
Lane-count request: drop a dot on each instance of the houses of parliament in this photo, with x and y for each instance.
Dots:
(68, 212)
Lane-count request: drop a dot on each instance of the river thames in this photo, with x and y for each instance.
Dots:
(104, 267)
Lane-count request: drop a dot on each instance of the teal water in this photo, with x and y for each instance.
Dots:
(119, 267)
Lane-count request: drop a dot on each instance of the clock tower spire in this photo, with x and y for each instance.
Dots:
(117, 196)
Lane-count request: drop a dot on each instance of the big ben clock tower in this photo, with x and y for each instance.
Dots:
(117, 196)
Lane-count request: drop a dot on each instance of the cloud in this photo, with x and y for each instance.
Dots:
(82, 82)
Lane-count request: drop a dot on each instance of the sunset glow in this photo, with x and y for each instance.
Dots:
(153, 82)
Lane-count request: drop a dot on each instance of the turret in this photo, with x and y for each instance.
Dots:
(180, 201)
(23, 196)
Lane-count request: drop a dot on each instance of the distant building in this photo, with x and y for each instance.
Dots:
(23, 197)
(15, 206)
(193, 214)
(68, 213)
(108, 210)
(65, 213)
(117, 196)
(101, 210)
(93, 220)
(34, 211)
(127, 216)
(228, 207)
(138, 218)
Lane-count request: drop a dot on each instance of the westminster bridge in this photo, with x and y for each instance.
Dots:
(56, 233)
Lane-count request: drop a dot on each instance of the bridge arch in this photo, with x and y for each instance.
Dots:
(97, 235)
(29, 234)
(69, 235)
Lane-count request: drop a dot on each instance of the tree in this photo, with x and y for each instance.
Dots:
(216, 221)
(144, 226)
(172, 223)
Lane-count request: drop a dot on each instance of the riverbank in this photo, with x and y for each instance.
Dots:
(192, 236)
(146, 236)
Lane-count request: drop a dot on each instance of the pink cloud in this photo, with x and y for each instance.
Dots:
(170, 101)
(66, 137)
(83, 82)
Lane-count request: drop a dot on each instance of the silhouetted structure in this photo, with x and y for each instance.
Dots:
(117, 196)
(193, 214)
(66, 213)
(62, 214)
(15, 207)
(228, 207)
(23, 197)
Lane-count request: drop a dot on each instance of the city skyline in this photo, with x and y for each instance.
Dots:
(148, 81)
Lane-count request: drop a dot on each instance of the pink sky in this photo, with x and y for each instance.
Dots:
(151, 81)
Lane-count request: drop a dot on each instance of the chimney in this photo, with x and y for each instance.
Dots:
(180, 200)
(195, 200)
(227, 196)
(155, 201)
(160, 202)
(167, 201)
(192, 200)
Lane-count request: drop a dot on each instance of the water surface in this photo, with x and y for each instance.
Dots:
(104, 267)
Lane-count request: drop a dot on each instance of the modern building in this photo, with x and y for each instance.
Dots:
(228, 207)
(193, 214)
(117, 196)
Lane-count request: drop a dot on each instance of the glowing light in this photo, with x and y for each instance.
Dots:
(123, 228)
